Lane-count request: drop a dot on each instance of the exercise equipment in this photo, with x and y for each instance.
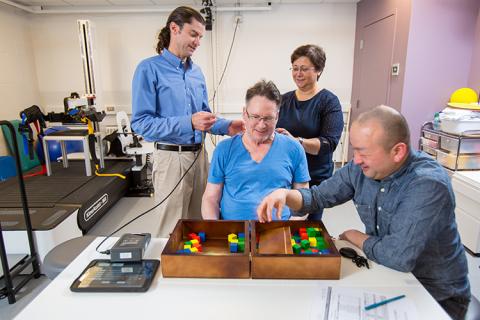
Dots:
(11, 288)
(54, 147)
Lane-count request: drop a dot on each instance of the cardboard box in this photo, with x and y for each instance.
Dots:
(215, 260)
(293, 266)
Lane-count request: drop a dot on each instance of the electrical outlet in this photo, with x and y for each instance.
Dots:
(110, 129)
(396, 69)
(110, 108)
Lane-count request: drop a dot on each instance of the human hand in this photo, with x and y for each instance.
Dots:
(236, 127)
(284, 131)
(355, 237)
(277, 199)
(203, 120)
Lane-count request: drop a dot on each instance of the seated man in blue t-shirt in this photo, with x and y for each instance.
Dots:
(247, 167)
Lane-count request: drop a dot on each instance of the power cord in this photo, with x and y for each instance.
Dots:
(226, 63)
(149, 210)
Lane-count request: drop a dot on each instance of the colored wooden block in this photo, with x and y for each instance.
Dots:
(241, 235)
(194, 250)
(296, 248)
(311, 232)
(305, 244)
(241, 247)
(187, 246)
(187, 243)
(196, 245)
(194, 241)
(234, 241)
(302, 230)
(313, 242)
(292, 241)
(304, 236)
(202, 236)
(233, 247)
(232, 236)
(192, 235)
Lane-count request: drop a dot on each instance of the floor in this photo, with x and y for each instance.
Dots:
(336, 220)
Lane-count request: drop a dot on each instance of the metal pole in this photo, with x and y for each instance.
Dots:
(23, 195)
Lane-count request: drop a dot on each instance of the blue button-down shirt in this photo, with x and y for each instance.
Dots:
(165, 94)
(409, 217)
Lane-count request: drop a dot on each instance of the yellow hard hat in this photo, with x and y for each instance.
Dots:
(464, 95)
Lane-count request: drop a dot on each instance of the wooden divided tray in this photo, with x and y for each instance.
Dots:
(272, 256)
(215, 260)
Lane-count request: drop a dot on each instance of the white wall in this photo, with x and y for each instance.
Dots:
(43, 65)
(18, 82)
(262, 49)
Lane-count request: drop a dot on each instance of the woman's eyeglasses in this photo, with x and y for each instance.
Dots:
(302, 69)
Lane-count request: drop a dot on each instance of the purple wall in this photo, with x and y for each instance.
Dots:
(439, 57)
(474, 78)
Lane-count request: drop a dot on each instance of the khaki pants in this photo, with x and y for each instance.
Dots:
(185, 202)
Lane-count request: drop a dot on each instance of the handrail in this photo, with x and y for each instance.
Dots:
(11, 290)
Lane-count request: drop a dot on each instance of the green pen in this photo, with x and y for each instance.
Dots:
(381, 303)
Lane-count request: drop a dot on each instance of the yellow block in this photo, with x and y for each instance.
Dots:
(194, 249)
(292, 241)
(187, 246)
(232, 236)
(313, 241)
(194, 241)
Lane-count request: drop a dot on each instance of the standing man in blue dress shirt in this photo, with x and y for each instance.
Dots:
(406, 202)
(170, 107)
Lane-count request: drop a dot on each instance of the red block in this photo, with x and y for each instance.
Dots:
(304, 236)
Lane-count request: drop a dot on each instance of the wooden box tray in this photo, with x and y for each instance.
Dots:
(280, 263)
(215, 260)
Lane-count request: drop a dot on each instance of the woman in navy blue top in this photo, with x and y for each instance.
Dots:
(312, 115)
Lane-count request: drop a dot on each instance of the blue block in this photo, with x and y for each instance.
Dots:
(202, 236)
(233, 247)
(241, 235)
(325, 251)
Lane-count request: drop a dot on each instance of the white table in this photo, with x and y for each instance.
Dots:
(73, 135)
(172, 298)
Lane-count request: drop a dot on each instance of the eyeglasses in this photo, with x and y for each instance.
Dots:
(302, 69)
(257, 118)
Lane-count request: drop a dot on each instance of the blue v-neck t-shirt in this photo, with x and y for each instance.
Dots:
(246, 182)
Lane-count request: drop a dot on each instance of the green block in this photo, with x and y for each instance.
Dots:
(305, 244)
(321, 244)
(188, 243)
(311, 232)
(296, 248)
(241, 246)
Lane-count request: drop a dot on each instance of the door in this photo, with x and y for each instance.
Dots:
(375, 60)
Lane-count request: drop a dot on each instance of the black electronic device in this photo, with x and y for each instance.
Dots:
(130, 247)
(108, 276)
(356, 258)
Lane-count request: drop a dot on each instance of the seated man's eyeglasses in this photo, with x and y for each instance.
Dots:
(257, 118)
